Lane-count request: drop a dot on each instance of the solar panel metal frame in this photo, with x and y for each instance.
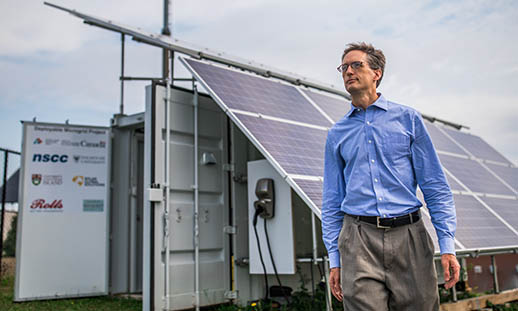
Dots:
(254, 141)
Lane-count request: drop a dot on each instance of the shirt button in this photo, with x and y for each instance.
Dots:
(368, 122)
(370, 141)
(379, 199)
(358, 109)
(384, 215)
(375, 179)
(372, 161)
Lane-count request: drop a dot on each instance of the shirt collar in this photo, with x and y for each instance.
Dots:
(381, 103)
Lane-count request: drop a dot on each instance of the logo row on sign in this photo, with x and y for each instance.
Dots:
(63, 158)
(56, 180)
(42, 205)
(70, 143)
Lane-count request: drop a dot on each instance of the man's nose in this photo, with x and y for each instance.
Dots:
(349, 71)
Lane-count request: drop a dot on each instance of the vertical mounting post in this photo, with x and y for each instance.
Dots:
(329, 302)
(454, 293)
(314, 236)
(495, 276)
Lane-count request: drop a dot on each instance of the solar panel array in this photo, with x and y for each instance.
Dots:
(289, 124)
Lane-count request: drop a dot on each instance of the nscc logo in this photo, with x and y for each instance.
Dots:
(54, 158)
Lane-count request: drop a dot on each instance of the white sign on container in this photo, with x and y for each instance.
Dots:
(62, 238)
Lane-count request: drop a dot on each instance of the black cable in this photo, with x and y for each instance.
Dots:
(257, 212)
(273, 261)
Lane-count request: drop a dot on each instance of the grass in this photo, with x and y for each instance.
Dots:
(96, 303)
(301, 300)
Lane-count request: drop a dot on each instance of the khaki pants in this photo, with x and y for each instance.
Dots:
(387, 269)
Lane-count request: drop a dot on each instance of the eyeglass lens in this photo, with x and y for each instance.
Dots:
(354, 65)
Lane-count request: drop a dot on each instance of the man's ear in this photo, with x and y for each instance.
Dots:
(377, 74)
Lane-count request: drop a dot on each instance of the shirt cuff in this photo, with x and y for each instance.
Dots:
(447, 246)
(334, 260)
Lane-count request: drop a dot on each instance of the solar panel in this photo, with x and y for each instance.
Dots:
(509, 174)
(507, 208)
(291, 133)
(313, 189)
(473, 175)
(243, 91)
(477, 146)
(298, 149)
(334, 107)
(477, 227)
(453, 184)
(441, 142)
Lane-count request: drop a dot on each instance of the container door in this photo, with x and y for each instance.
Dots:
(214, 276)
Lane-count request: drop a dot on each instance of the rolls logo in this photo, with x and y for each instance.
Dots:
(42, 205)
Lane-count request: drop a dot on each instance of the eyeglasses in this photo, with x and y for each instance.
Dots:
(354, 65)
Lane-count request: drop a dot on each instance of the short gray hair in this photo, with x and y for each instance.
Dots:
(375, 57)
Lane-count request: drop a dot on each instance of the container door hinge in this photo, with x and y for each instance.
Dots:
(155, 193)
(229, 229)
(231, 294)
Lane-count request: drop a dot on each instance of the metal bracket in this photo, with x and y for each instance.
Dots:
(240, 178)
(229, 229)
(228, 167)
(242, 262)
(231, 294)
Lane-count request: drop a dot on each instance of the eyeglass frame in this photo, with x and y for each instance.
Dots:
(354, 65)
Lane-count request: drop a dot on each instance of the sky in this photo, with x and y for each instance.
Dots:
(454, 60)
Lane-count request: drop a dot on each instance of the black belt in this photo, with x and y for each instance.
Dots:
(392, 222)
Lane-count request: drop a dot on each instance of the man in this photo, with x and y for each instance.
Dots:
(381, 256)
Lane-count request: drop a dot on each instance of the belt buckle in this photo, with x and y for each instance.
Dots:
(380, 226)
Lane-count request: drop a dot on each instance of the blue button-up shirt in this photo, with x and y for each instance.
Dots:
(374, 160)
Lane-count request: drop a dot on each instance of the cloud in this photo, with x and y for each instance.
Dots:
(451, 59)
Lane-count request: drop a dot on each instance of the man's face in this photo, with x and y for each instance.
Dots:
(361, 79)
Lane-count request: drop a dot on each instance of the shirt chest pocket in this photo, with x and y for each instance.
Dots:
(396, 148)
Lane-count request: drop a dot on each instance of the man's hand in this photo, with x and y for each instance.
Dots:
(334, 283)
(451, 269)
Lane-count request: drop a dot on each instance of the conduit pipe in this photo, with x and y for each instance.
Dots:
(167, 277)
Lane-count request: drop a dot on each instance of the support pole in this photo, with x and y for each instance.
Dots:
(167, 194)
(4, 192)
(495, 276)
(329, 302)
(196, 203)
(454, 293)
(121, 110)
(314, 235)
(166, 31)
